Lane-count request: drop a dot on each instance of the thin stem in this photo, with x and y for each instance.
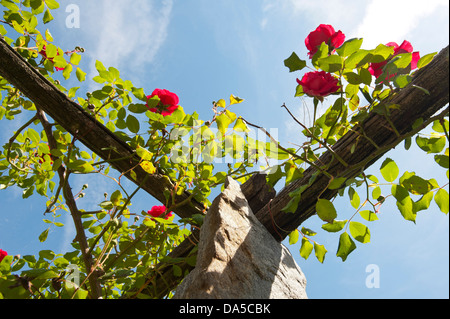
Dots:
(286, 150)
(324, 143)
(13, 138)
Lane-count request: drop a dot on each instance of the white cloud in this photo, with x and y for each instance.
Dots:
(387, 20)
(127, 33)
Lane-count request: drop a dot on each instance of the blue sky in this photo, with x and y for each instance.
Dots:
(206, 50)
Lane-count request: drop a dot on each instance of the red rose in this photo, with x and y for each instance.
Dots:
(376, 69)
(324, 33)
(157, 211)
(44, 54)
(319, 84)
(3, 254)
(168, 102)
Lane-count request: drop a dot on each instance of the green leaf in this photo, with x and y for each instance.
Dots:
(431, 145)
(137, 108)
(293, 237)
(72, 291)
(358, 59)
(442, 160)
(325, 210)
(415, 184)
(292, 206)
(335, 226)
(423, 61)
(346, 246)
(43, 236)
(75, 58)
(81, 75)
(18, 27)
(336, 183)
(224, 120)
(235, 100)
(33, 136)
(404, 202)
(381, 53)
(401, 81)
(99, 66)
(177, 271)
(47, 254)
(5, 265)
(306, 248)
(294, 63)
(442, 200)
(360, 232)
(402, 60)
(221, 103)
(354, 197)
(423, 203)
(389, 170)
(116, 197)
(132, 124)
(331, 63)
(240, 126)
(47, 17)
(322, 52)
(148, 167)
(144, 153)
(320, 252)
(52, 4)
(349, 47)
(368, 215)
(308, 232)
(139, 93)
(439, 126)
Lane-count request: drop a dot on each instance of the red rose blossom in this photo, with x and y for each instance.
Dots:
(324, 33)
(319, 84)
(376, 69)
(168, 102)
(44, 54)
(157, 211)
(3, 254)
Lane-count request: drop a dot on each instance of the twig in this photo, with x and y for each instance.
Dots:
(324, 143)
(286, 150)
(13, 138)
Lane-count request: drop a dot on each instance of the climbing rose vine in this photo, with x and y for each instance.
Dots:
(124, 251)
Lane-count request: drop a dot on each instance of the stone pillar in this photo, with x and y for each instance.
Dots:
(238, 258)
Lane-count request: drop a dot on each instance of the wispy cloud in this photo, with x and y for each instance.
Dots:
(127, 33)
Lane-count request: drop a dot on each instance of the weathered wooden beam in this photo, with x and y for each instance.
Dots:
(73, 118)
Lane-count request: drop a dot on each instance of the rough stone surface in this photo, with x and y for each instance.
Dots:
(238, 258)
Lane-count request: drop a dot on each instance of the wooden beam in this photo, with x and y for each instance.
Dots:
(73, 118)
